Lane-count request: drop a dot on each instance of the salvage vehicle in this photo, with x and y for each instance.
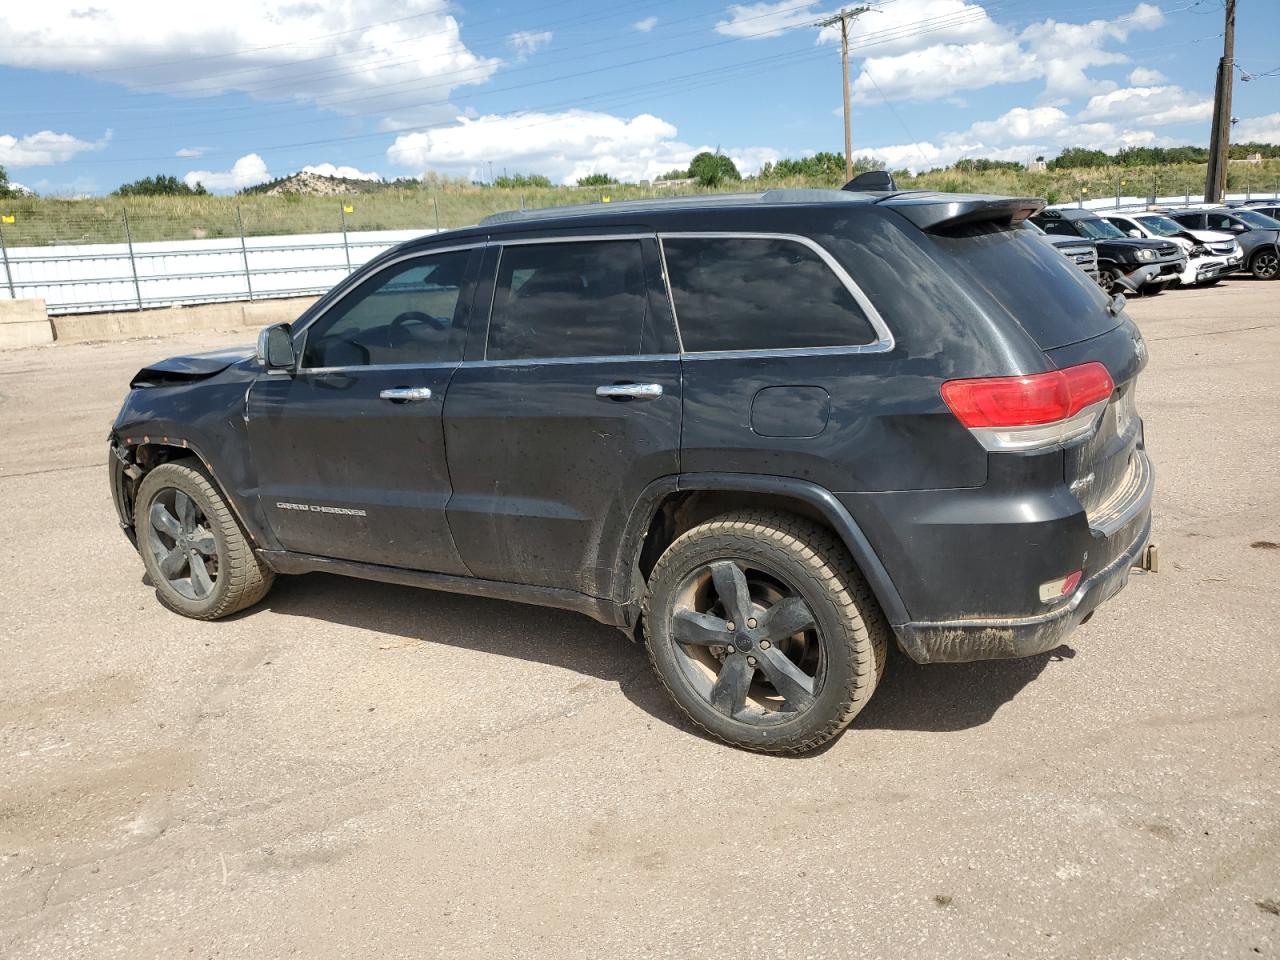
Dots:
(1125, 263)
(1258, 234)
(765, 433)
(1083, 253)
(1210, 255)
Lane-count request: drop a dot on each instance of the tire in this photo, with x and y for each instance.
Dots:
(1265, 264)
(1109, 280)
(835, 662)
(179, 542)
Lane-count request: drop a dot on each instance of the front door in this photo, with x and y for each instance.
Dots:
(349, 448)
(568, 412)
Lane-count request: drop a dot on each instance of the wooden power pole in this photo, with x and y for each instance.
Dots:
(843, 18)
(1215, 181)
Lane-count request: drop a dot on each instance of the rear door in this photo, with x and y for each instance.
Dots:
(349, 447)
(565, 412)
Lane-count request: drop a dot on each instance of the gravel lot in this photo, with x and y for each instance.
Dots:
(359, 770)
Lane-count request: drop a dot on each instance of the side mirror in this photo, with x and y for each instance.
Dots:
(1238, 228)
(1135, 232)
(275, 347)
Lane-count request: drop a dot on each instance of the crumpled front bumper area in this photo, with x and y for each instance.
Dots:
(960, 641)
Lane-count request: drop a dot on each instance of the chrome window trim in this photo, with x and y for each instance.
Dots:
(883, 343)
(548, 361)
(501, 243)
(301, 333)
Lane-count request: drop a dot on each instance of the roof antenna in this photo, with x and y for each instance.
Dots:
(873, 181)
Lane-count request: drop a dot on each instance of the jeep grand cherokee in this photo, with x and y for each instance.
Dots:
(767, 433)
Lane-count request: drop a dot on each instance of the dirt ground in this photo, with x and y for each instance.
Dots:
(358, 770)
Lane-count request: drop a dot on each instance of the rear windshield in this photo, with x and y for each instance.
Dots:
(1096, 228)
(1053, 299)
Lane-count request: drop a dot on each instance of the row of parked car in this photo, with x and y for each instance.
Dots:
(1145, 251)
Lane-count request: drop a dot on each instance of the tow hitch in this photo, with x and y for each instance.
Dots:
(1149, 559)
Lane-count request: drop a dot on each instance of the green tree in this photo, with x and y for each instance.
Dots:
(1074, 157)
(161, 185)
(712, 169)
(596, 180)
(674, 175)
(5, 189)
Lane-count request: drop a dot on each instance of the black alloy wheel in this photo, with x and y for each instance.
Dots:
(749, 642)
(763, 631)
(182, 544)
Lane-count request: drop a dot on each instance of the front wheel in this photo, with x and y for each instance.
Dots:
(197, 556)
(1265, 265)
(763, 632)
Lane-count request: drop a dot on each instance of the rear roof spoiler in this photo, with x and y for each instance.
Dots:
(935, 211)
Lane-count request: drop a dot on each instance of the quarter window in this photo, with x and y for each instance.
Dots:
(757, 293)
(577, 299)
(408, 313)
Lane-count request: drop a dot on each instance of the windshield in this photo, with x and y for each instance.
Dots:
(1254, 219)
(1099, 229)
(1161, 226)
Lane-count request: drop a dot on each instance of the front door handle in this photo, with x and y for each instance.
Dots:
(405, 394)
(630, 391)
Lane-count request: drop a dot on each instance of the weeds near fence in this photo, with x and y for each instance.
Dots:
(46, 221)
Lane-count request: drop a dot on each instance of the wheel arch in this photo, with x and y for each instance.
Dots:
(671, 505)
(134, 457)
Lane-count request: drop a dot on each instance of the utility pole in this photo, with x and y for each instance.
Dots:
(1215, 182)
(843, 18)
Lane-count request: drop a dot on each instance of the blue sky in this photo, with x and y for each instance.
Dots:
(94, 93)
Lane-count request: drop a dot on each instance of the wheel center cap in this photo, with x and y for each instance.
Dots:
(742, 642)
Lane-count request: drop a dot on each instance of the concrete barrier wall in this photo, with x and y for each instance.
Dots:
(24, 323)
(201, 318)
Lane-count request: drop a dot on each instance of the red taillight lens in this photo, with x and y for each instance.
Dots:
(1025, 401)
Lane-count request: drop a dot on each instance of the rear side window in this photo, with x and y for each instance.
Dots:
(749, 293)
(1059, 228)
(571, 299)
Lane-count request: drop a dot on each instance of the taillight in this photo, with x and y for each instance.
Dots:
(1039, 410)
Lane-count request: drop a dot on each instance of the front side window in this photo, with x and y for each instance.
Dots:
(568, 299)
(1259, 220)
(759, 293)
(405, 314)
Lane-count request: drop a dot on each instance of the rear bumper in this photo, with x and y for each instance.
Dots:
(960, 641)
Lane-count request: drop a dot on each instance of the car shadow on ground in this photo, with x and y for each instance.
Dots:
(937, 698)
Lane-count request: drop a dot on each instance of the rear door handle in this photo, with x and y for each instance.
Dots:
(630, 391)
(405, 394)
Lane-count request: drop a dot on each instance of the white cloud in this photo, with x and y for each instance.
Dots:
(528, 42)
(346, 173)
(1265, 129)
(645, 25)
(563, 146)
(249, 170)
(403, 66)
(932, 64)
(1146, 77)
(906, 25)
(190, 152)
(759, 20)
(1151, 106)
(941, 70)
(45, 147)
(1020, 134)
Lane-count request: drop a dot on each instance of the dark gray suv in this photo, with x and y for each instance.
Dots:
(767, 433)
(1259, 235)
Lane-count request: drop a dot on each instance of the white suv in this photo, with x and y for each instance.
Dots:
(1210, 255)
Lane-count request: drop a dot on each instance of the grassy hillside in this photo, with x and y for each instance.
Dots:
(40, 221)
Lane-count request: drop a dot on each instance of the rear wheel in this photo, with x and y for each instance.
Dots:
(1265, 264)
(763, 631)
(197, 556)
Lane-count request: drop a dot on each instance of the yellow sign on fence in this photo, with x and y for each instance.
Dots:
(8, 218)
(348, 209)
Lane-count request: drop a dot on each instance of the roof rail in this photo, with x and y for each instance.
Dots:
(649, 204)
